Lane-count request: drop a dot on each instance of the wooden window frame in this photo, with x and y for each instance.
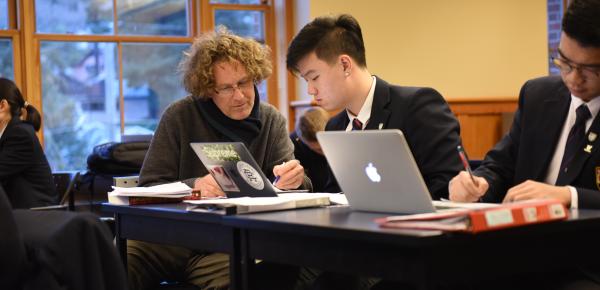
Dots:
(26, 43)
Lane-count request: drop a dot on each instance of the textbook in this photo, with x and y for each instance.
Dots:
(164, 193)
(140, 200)
(482, 219)
(241, 205)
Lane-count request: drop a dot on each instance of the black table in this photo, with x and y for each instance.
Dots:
(337, 239)
(171, 224)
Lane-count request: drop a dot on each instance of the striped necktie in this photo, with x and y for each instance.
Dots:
(356, 124)
(574, 140)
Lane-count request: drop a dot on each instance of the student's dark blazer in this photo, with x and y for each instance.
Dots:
(526, 151)
(430, 128)
(24, 170)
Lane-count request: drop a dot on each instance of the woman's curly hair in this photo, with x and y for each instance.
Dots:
(222, 45)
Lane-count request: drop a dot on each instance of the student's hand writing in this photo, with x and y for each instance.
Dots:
(532, 189)
(462, 188)
(208, 187)
(291, 174)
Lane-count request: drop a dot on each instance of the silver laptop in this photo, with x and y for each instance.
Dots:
(376, 170)
(234, 169)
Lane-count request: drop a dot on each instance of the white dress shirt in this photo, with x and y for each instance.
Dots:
(365, 111)
(2, 130)
(554, 168)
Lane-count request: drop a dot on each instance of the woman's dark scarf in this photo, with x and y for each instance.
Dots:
(244, 130)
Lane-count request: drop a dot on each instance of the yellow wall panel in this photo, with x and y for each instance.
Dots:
(464, 48)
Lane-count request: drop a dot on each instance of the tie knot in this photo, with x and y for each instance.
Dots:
(583, 114)
(356, 124)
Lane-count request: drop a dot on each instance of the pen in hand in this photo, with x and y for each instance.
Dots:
(276, 179)
(465, 162)
(278, 176)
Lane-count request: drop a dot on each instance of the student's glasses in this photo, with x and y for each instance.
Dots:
(566, 67)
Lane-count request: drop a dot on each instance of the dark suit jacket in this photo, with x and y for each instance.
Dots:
(315, 165)
(526, 151)
(431, 130)
(24, 170)
(12, 248)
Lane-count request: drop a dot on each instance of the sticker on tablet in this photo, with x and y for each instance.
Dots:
(223, 178)
(250, 175)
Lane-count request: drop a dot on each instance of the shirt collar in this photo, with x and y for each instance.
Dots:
(593, 105)
(365, 111)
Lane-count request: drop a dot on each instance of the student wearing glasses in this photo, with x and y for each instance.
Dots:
(220, 72)
(552, 148)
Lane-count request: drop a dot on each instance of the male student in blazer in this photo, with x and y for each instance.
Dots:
(329, 54)
(553, 147)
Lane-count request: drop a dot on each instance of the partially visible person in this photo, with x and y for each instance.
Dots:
(307, 149)
(551, 148)
(220, 72)
(24, 170)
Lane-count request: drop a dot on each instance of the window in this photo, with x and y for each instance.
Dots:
(80, 100)
(3, 14)
(109, 67)
(255, 2)
(6, 59)
(555, 13)
(74, 17)
(150, 83)
(165, 17)
(248, 18)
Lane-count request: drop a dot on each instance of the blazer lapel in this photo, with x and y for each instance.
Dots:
(379, 112)
(338, 122)
(550, 129)
(588, 147)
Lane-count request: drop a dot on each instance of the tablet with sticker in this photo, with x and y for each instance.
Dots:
(234, 169)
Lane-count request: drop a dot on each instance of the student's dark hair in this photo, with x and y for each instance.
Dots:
(328, 37)
(10, 93)
(582, 22)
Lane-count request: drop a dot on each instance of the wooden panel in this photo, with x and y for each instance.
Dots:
(482, 122)
(479, 133)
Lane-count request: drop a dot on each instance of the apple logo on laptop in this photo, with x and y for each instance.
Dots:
(372, 173)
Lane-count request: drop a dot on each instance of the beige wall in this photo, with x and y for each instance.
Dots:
(463, 48)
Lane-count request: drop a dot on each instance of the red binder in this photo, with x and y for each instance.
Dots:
(480, 220)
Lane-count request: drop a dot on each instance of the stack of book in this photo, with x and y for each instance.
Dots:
(164, 193)
(243, 205)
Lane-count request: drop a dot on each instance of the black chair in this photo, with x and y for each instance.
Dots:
(56, 250)
(12, 248)
(66, 185)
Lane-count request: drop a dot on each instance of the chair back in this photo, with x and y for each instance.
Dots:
(12, 247)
